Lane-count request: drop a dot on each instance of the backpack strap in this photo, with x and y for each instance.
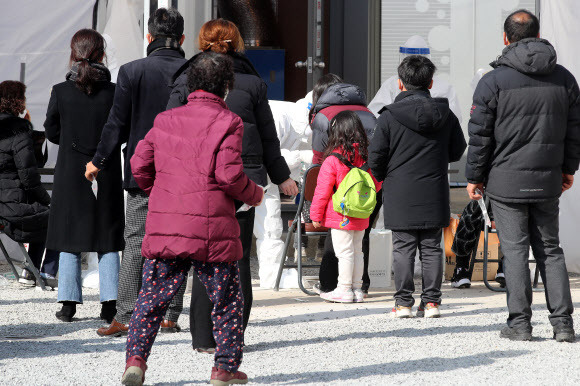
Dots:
(342, 159)
(364, 167)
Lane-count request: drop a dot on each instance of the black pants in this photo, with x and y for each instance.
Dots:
(201, 325)
(520, 226)
(405, 245)
(328, 275)
(50, 266)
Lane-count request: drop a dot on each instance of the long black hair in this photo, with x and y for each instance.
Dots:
(323, 83)
(87, 45)
(346, 130)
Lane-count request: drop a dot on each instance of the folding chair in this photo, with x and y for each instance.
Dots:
(485, 260)
(27, 262)
(304, 230)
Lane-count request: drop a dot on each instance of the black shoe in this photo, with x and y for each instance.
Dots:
(49, 280)
(461, 278)
(517, 333)
(500, 278)
(108, 311)
(67, 311)
(564, 333)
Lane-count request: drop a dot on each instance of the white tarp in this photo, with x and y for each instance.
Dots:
(38, 34)
(122, 25)
(559, 25)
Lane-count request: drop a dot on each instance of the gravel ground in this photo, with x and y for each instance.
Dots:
(293, 339)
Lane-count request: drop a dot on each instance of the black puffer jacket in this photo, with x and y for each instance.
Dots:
(416, 138)
(23, 201)
(248, 99)
(524, 130)
(337, 98)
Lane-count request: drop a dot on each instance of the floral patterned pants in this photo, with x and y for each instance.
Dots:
(161, 281)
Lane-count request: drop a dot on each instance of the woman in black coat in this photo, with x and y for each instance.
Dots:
(23, 201)
(260, 155)
(82, 220)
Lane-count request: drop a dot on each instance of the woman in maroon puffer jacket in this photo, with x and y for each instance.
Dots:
(190, 165)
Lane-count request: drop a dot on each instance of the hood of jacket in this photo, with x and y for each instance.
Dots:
(416, 110)
(242, 65)
(341, 94)
(529, 56)
(11, 125)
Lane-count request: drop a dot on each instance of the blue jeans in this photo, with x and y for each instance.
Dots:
(70, 281)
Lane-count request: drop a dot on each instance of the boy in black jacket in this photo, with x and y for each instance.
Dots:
(415, 139)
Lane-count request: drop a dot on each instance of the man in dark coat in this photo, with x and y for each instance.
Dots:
(524, 147)
(416, 138)
(142, 92)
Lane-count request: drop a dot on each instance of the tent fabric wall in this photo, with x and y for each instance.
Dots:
(122, 25)
(559, 25)
(39, 35)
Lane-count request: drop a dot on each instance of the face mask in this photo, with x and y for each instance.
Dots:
(226, 94)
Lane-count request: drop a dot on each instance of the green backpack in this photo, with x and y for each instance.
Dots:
(356, 195)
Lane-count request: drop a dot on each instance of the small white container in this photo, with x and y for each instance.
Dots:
(380, 258)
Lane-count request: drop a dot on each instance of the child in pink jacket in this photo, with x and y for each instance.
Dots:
(347, 137)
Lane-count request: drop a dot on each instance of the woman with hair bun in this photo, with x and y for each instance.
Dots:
(260, 155)
(83, 219)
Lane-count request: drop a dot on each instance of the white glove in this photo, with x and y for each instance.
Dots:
(306, 156)
(292, 158)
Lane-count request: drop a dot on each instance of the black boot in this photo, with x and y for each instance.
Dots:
(108, 310)
(67, 311)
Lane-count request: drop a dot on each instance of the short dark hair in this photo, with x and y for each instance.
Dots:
(211, 72)
(165, 22)
(521, 24)
(416, 72)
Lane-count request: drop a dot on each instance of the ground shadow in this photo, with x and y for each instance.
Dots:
(26, 349)
(407, 332)
(427, 365)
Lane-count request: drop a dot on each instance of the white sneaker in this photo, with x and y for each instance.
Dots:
(401, 312)
(359, 295)
(338, 296)
(26, 277)
(430, 310)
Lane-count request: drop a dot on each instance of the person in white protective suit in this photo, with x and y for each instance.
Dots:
(389, 90)
(293, 132)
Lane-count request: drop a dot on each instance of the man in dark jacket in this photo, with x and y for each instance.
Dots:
(416, 138)
(524, 147)
(142, 93)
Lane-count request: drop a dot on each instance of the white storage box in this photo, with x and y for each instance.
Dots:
(380, 258)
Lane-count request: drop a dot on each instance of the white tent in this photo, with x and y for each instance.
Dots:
(35, 45)
(559, 24)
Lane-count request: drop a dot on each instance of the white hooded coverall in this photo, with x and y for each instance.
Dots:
(293, 132)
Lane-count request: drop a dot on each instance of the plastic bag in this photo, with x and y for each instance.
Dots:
(95, 186)
(246, 207)
(483, 208)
